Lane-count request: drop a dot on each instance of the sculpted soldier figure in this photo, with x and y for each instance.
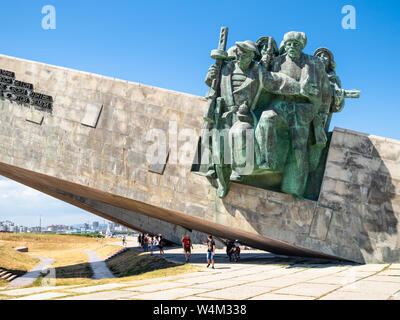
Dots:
(285, 134)
(268, 51)
(338, 94)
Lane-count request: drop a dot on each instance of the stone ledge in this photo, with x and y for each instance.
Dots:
(97, 76)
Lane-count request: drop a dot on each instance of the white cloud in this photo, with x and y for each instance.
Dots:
(20, 194)
(24, 205)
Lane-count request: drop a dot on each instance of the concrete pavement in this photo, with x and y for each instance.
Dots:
(28, 278)
(257, 276)
(99, 267)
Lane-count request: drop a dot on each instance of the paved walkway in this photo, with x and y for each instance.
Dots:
(99, 267)
(258, 276)
(28, 278)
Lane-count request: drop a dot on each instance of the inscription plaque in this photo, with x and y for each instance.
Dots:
(22, 92)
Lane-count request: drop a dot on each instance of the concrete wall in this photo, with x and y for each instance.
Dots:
(361, 189)
(107, 164)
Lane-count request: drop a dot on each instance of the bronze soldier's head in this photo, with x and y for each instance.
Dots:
(265, 43)
(245, 52)
(327, 58)
(294, 43)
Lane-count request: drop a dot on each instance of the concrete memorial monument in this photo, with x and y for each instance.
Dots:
(266, 169)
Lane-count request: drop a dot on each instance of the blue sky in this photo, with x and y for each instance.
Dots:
(167, 44)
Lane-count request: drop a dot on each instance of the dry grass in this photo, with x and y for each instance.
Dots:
(107, 250)
(128, 266)
(50, 242)
(72, 266)
(16, 262)
(3, 283)
(133, 263)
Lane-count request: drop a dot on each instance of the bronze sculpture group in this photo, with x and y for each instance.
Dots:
(268, 114)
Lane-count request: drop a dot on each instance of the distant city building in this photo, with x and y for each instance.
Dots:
(57, 228)
(107, 228)
(35, 229)
(7, 226)
(121, 229)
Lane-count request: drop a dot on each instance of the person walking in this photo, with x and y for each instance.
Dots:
(229, 246)
(140, 240)
(210, 250)
(123, 241)
(146, 242)
(152, 245)
(149, 242)
(143, 240)
(160, 244)
(187, 247)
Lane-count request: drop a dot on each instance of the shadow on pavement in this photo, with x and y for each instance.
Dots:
(257, 258)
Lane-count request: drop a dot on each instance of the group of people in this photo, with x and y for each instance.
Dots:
(284, 98)
(187, 246)
(151, 243)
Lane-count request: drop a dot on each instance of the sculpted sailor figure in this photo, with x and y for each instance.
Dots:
(291, 131)
(241, 81)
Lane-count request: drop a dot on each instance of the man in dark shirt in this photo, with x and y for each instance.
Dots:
(140, 239)
(210, 250)
(161, 244)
